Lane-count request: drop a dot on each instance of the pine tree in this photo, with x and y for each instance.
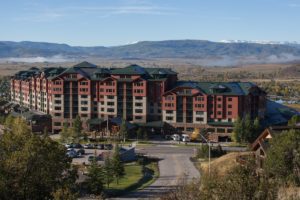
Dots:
(108, 171)
(65, 134)
(256, 129)
(118, 166)
(238, 130)
(123, 130)
(248, 129)
(77, 129)
(95, 180)
(139, 133)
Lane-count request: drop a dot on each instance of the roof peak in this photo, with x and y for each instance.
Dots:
(85, 64)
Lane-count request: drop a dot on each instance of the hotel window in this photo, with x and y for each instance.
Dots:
(83, 89)
(219, 113)
(84, 102)
(138, 117)
(57, 101)
(199, 98)
(229, 106)
(139, 98)
(199, 119)
(84, 83)
(219, 99)
(169, 118)
(219, 105)
(138, 104)
(56, 108)
(138, 91)
(138, 84)
(57, 123)
(169, 97)
(199, 112)
(138, 111)
(229, 120)
(110, 97)
(110, 110)
(169, 111)
(229, 113)
(84, 96)
(84, 109)
(110, 83)
(84, 115)
(109, 103)
(57, 114)
(230, 99)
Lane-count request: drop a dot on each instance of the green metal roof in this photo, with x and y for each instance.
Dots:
(85, 64)
(131, 70)
(218, 88)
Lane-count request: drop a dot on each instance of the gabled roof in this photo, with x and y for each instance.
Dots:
(262, 139)
(85, 64)
(218, 88)
(130, 70)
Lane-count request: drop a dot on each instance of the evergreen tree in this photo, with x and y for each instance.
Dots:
(145, 135)
(283, 160)
(66, 134)
(238, 130)
(248, 129)
(118, 166)
(294, 120)
(77, 129)
(108, 171)
(95, 180)
(256, 130)
(123, 131)
(31, 166)
(139, 133)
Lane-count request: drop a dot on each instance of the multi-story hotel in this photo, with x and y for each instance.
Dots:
(137, 94)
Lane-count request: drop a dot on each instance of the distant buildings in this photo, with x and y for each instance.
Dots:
(141, 95)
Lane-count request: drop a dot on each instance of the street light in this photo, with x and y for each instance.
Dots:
(208, 142)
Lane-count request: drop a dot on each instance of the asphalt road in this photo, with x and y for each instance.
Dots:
(175, 167)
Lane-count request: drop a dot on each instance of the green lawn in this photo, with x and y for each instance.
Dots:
(134, 178)
(133, 173)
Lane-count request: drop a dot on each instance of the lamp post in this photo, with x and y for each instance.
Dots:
(208, 142)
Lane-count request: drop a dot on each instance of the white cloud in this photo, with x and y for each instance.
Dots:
(129, 7)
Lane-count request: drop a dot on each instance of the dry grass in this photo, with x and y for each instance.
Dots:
(289, 193)
(294, 106)
(222, 164)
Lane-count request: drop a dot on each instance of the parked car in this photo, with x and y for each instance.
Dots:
(89, 146)
(80, 151)
(96, 158)
(185, 138)
(176, 137)
(168, 137)
(108, 146)
(74, 145)
(100, 146)
(77, 146)
(72, 154)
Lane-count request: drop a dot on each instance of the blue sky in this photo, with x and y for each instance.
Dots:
(116, 22)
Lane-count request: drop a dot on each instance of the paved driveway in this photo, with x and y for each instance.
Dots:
(175, 167)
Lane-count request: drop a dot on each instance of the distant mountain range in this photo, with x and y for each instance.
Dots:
(207, 52)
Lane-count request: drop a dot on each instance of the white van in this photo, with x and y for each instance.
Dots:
(176, 137)
(185, 138)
